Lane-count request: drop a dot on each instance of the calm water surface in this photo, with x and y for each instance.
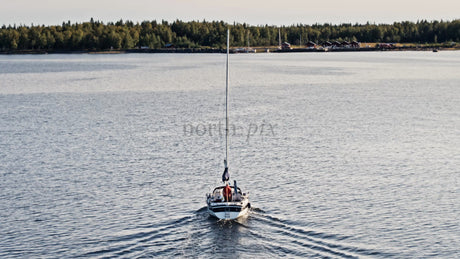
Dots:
(344, 155)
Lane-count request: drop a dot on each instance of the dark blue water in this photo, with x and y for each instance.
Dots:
(345, 155)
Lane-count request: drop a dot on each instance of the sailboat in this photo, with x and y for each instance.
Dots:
(245, 50)
(227, 202)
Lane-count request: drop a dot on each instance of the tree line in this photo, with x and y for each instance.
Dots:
(95, 35)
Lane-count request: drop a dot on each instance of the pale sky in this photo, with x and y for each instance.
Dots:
(253, 12)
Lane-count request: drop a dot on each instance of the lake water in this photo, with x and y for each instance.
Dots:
(344, 155)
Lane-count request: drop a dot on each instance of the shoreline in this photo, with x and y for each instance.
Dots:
(220, 51)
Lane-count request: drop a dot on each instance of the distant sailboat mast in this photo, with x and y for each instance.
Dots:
(279, 37)
(248, 40)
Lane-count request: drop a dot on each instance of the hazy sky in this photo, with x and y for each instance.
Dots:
(254, 12)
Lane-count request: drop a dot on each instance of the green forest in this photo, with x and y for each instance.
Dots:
(122, 35)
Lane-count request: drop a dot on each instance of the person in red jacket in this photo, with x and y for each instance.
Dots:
(227, 193)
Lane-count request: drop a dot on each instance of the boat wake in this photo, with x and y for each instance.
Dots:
(257, 235)
(142, 240)
(290, 238)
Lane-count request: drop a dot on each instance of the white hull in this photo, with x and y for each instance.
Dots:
(228, 210)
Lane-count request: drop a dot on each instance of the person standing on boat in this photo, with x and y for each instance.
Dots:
(227, 193)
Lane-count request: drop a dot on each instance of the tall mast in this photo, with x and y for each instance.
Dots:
(226, 102)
